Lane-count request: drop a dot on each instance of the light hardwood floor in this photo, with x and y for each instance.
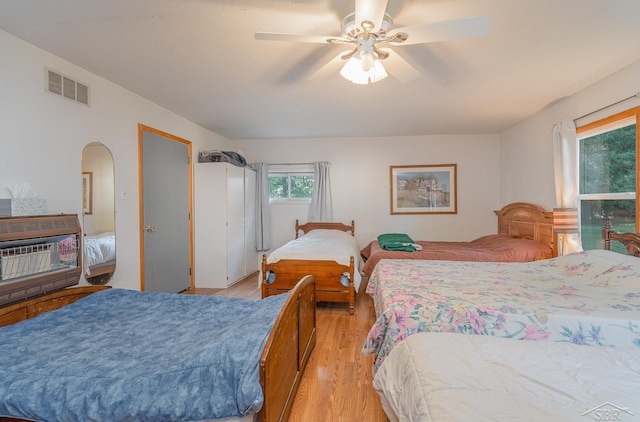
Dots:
(337, 383)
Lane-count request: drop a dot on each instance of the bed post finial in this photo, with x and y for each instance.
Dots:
(263, 273)
(606, 230)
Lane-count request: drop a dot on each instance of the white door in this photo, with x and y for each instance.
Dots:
(165, 212)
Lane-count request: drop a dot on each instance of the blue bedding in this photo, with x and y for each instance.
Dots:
(122, 355)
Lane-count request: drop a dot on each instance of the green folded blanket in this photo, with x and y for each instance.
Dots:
(396, 242)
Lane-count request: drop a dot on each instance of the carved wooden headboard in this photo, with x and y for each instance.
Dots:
(330, 226)
(631, 241)
(527, 221)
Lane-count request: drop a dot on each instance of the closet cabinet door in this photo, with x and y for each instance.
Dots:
(235, 224)
(210, 225)
(224, 224)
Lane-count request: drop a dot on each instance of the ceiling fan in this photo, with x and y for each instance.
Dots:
(369, 28)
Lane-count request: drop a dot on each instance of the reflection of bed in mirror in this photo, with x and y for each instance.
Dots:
(98, 221)
(99, 254)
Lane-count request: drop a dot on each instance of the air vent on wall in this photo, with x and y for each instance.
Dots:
(66, 87)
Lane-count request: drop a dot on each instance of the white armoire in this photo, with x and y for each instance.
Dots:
(224, 229)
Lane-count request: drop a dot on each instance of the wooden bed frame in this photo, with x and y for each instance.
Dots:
(630, 240)
(523, 220)
(327, 273)
(282, 362)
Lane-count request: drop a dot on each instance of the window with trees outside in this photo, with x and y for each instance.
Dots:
(290, 184)
(608, 170)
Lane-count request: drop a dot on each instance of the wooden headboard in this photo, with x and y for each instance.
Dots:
(523, 220)
(330, 226)
(630, 240)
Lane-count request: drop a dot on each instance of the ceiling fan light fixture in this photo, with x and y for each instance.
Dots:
(368, 61)
(379, 72)
(353, 71)
(369, 29)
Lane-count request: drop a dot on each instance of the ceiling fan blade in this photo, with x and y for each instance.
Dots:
(456, 29)
(399, 68)
(277, 36)
(370, 10)
(328, 69)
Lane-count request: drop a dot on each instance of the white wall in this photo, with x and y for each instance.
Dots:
(42, 137)
(526, 148)
(360, 183)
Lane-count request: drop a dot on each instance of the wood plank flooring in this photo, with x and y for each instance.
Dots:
(337, 383)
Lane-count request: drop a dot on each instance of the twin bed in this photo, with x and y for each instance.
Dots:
(583, 309)
(327, 251)
(116, 354)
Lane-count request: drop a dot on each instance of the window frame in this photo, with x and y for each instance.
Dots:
(607, 124)
(288, 172)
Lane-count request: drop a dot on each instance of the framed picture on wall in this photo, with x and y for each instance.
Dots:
(424, 189)
(87, 192)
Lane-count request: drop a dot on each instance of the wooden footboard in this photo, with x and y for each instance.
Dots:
(287, 351)
(327, 277)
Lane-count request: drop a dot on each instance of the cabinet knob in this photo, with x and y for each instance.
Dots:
(150, 228)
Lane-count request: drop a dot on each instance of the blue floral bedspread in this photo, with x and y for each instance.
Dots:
(122, 355)
(588, 298)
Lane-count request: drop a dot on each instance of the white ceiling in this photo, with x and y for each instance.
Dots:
(199, 58)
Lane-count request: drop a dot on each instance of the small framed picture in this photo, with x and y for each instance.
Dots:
(424, 189)
(87, 192)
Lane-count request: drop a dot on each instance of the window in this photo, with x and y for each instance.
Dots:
(608, 169)
(295, 183)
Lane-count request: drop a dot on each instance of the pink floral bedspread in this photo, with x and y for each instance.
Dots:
(589, 298)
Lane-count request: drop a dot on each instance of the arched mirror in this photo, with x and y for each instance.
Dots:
(98, 214)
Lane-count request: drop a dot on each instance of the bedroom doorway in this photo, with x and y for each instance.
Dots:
(166, 235)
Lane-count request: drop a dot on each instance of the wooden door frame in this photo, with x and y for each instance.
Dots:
(143, 128)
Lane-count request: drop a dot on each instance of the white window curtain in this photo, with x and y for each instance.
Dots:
(263, 211)
(321, 207)
(565, 160)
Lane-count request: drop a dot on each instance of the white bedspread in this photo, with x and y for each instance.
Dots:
(99, 249)
(454, 377)
(322, 244)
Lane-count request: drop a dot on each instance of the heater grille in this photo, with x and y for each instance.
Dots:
(64, 86)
